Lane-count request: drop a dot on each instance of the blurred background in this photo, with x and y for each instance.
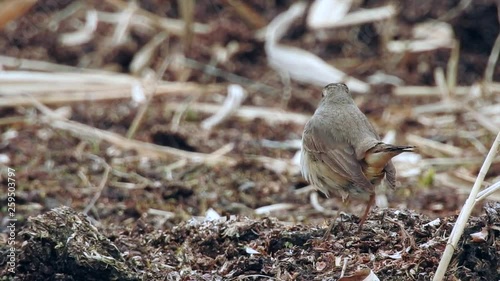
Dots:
(152, 116)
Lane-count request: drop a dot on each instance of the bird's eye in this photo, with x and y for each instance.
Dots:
(323, 94)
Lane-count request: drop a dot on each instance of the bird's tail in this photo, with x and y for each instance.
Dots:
(397, 148)
(382, 153)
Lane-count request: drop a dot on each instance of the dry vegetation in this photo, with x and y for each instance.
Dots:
(169, 129)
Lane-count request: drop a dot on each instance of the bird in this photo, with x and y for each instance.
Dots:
(342, 154)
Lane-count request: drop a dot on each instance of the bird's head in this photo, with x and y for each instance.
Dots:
(336, 93)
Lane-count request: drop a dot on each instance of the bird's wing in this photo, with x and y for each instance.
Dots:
(338, 156)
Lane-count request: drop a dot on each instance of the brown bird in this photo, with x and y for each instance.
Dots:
(342, 153)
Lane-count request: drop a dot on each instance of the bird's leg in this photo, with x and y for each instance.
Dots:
(332, 222)
(369, 205)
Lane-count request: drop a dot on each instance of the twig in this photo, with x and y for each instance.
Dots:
(488, 191)
(102, 184)
(465, 213)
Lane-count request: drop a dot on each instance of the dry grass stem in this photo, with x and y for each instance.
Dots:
(153, 79)
(101, 186)
(186, 10)
(430, 146)
(492, 61)
(441, 84)
(304, 190)
(488, 192)
(271, 115)
(13, 77)
(64, 87)
(123, 24)
(455, 161)
(279, 166)
(331, 14)
(447, 106)
(456, 11)
(480, 147)
(428, 36)
(452, 68)
(144, 56)
(273, 208)
(83, 35)
(484, 121)
(180, 111)
(251, 17)
(314, 199)
(171, 167)
(145, 98)
(165, 214)
(249, 84)
(146, 149)
(28, 64)
(465, 213)
(437, 121)
(235, 97)
(324, 14)
(366, 16)
(429, 91)
(171, 26)
(463, 187)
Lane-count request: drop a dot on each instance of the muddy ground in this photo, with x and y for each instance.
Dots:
(147, 219)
